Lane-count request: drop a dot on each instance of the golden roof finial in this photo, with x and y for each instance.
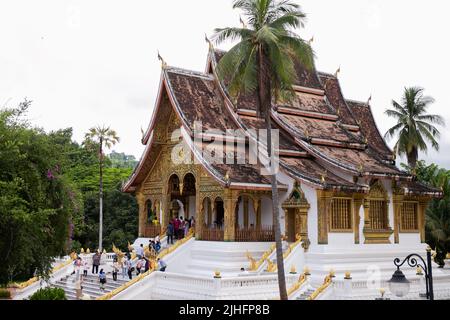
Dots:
(361, 167)
(163, 63)
(310, 41)
(337, 72)
(323, 177)
(369, 100)
(208, 41)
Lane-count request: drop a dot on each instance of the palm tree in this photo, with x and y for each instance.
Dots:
(101, 136)
(263, 61)
(414, 126)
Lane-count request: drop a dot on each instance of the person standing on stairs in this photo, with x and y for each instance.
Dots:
(170, 232)
(102, 279)
(116, 268)
(124, 267)
(96, 262)
(79, 287)
(85, 267)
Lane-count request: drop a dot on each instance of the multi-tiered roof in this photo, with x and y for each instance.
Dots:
(319, 130)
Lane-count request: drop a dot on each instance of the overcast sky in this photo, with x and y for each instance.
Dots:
(93, 62)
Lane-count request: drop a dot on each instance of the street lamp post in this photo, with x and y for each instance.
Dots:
(399, 285)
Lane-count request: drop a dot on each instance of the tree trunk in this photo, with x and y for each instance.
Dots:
(265, 106)
(412, 158)
(100, 227)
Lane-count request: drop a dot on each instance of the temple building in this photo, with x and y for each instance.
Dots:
(337, 179)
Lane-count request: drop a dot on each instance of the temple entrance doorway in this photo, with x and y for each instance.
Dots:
(182, 196)
(291, 232)
(220, 213)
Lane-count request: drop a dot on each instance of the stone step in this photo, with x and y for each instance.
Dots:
(305, 295)
(72, 291)
(88, 285)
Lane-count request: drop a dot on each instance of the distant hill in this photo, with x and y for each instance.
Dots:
(122, 160)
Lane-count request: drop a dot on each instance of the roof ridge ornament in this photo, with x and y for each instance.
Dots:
(163, 63)
(310, 41)
(369, 100)
(337, 72)
(208, 41)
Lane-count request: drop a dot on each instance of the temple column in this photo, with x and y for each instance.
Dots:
(422, 208)
(398, 205)
(200, 216)
(245, 199)
(257, 209)
(358, 201)
(230, 200)
(324, 199)
(165, 210)
(303, 224)
(367, 224)
(209, 211)
(141, 203)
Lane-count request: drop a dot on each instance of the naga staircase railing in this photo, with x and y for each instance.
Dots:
(153, 267)
(326, 284)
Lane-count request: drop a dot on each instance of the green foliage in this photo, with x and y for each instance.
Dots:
(415, 127)
(268, 37)
(438, 212)
(5, 294)
(121, 160)
(37, 201)
(49, 187)
(49, 294)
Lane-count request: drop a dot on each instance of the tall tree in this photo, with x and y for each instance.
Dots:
(263, 61)
(415, 127)
(102, 137)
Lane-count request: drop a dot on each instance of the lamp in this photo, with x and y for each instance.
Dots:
(398, 284)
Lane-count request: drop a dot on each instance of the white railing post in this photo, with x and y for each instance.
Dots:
(348, 285)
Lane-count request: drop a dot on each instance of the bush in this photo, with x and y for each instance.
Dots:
(5, 294)
(49, 294)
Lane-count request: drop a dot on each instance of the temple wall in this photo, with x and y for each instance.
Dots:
(311, 196)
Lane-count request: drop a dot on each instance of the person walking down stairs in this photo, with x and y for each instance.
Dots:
(102, 279)
(79, 286)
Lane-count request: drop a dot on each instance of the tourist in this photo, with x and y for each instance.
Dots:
(140, 251)
(186, 227)
(124, 264)
(157, 239)
(85, 267)
(96, 262)
(79, 287)
(77, 266)
(147, 264)
(116, 268)
(130, 268)
(161, 265)
(102, 279)
(176, 227)
(139, 266)
(157, 246)
(169, 233)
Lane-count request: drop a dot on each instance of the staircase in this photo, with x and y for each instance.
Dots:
(305, 295)
(91, 286)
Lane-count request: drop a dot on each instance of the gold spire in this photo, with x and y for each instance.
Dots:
(310, 41)
(337, 72)
(163, 63)
(368, 101)
(208, 41)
